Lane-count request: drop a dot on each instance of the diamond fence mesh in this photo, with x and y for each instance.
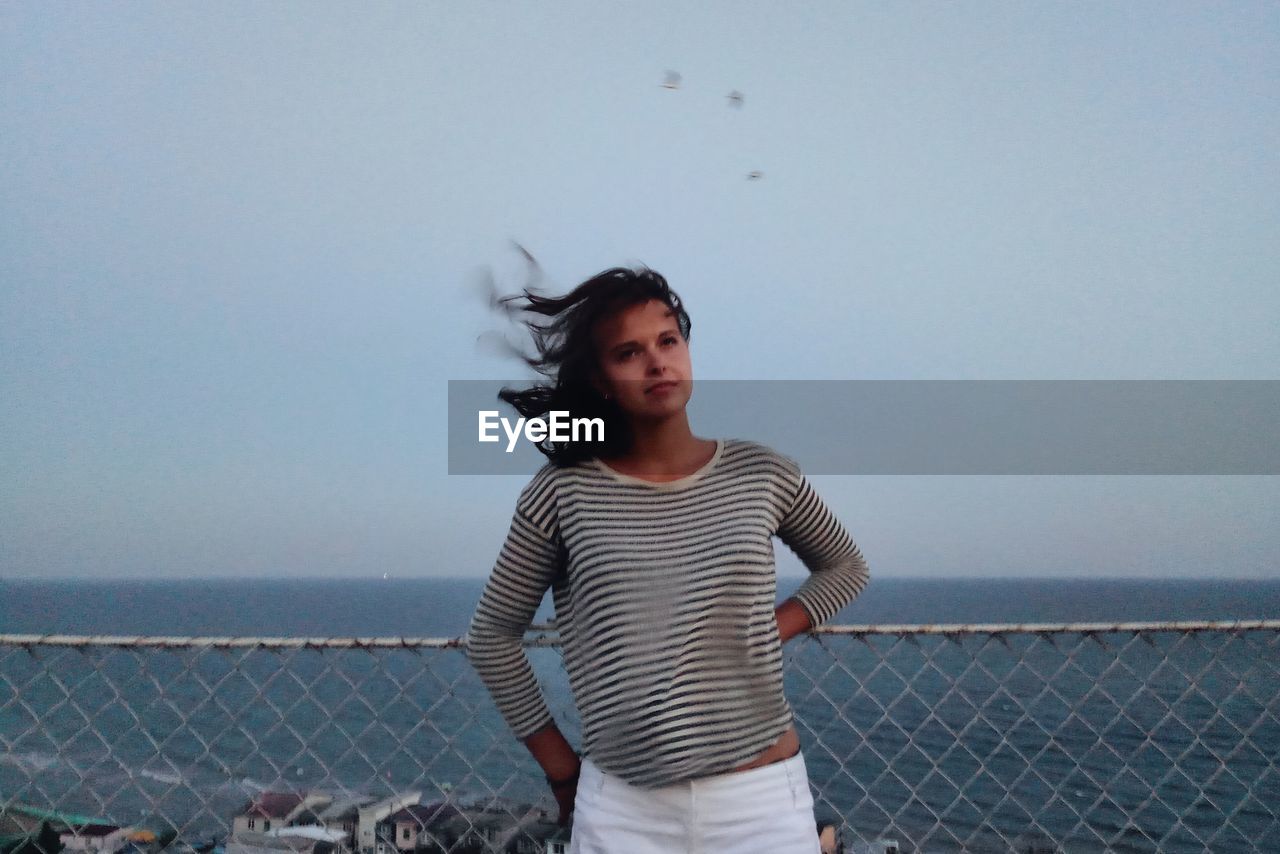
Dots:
(1128, 737)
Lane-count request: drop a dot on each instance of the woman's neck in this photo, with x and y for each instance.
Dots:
(663, 448)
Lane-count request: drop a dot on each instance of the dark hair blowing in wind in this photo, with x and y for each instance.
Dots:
(563, 334)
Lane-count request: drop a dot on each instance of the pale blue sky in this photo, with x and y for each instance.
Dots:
(236, 240)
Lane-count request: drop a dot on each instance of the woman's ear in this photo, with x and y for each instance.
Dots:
(597, 382)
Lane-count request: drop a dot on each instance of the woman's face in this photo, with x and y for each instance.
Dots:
(643, 361)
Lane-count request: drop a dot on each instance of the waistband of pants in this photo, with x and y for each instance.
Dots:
(789, 772)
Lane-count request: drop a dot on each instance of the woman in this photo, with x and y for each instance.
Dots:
(657, 547)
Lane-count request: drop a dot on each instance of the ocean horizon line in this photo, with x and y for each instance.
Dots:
(1093, 579)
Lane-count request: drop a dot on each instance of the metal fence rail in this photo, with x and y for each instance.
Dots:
(1080, 737)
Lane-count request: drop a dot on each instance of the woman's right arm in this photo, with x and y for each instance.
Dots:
(530, 559)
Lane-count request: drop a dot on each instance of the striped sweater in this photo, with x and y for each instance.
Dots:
(664, 596)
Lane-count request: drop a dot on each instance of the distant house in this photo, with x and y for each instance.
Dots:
(558, 844)
(476, 829)
(543, 837)
(424, 827)
(270, 811)
(317, 823)
(299, 836)
(441, 826)
(273, 842)
(535, 834)
(375, 835)
(308, 812)
(267, 810)
(344, 815)
(97, 838)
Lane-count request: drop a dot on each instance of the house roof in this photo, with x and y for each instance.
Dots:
(96, 829)
(310, 831)
(424, 813)
(272, 804)
(347, 808)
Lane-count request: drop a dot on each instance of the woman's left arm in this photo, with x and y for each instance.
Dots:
(792, 620)
(837, 570)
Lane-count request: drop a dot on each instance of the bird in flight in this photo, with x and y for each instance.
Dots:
(735, 99)
(754, 175)
(672, 81)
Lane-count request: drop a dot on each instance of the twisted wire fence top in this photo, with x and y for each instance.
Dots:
(448, 643)
(1125, 736)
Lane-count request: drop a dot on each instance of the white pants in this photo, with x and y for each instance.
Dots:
(766, 809)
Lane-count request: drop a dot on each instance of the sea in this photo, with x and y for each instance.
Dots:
(904, 739)
(441, 607)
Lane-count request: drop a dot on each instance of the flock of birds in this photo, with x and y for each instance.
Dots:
(672, 81)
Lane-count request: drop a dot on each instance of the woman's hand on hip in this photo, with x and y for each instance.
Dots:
(565, 797)
(560, 762)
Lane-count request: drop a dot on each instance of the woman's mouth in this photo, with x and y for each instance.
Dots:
(661, 388)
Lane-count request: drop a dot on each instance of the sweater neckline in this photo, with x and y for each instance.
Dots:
(664, 484)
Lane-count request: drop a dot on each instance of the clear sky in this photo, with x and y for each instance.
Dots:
(236, 241)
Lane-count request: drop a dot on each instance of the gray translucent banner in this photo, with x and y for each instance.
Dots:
(931, 427)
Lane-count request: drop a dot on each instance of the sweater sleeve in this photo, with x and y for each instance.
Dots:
(837, 571)
(528, 562)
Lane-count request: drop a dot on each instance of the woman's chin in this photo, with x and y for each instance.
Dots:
(663, 407)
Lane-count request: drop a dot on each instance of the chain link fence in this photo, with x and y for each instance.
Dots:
(1033, 738)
